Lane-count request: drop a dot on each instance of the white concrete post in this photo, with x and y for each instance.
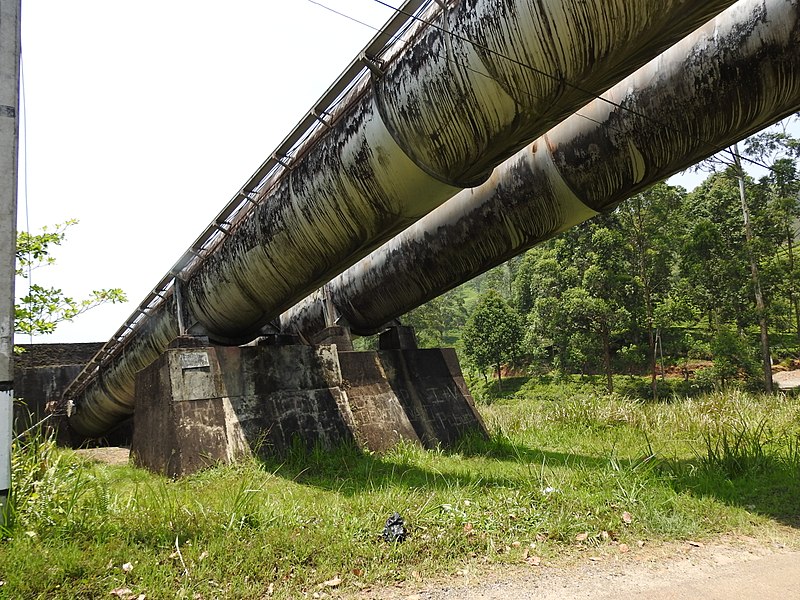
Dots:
(9, 142)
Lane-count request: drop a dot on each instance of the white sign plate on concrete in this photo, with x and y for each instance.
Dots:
(194, 360)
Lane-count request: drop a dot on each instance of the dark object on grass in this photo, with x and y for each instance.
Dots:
(395, 530)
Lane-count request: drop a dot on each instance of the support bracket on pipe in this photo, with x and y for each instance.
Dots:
(280, 158)
(219, 227)
(179, 305)
(331, 314)
(249, 198)
(375, 66)
(320, 115)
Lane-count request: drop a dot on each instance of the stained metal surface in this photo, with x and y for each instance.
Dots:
(442, 114)
(733, 77)
(436, 115)
(489, 75)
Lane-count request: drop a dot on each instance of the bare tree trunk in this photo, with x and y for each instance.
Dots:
(651, 342)
(792, 291)
(641, 251)
(604, 334)
(499, 379)
(760, 309)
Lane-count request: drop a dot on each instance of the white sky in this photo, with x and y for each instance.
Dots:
(144, 118)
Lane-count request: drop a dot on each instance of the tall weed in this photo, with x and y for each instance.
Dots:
(744, 445)
(49, 486)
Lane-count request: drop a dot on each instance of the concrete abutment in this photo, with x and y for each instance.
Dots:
(202, 405)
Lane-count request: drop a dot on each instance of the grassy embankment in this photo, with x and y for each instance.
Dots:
(565, 468)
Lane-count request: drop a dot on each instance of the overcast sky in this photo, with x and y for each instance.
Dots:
(143, 119)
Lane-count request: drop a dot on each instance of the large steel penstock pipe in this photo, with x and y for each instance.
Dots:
(451, 101)
(734, 76)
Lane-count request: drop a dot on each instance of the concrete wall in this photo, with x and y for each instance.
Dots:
(417, 395)
(200, 406)
(41, 373)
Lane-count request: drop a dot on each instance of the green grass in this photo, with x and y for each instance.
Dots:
(562, 461)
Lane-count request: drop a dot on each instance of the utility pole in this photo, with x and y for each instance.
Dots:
(9, 144)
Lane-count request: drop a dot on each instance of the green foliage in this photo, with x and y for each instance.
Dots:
(733, 357)
(33, 249)
(493, 333)
(43, 308)
(40, 476)
(563, 461)
(436, 322)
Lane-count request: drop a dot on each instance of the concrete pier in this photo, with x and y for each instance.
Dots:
(199, 406)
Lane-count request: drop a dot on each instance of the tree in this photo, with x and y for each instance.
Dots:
(501, 278)
(538, 288)
(751, 244)
(438, 319)
(578, 287)
(732, 356)
(650, 223)
(43, 308)
(783, 187)
(598, 305)
(493, 333)
(713, 259)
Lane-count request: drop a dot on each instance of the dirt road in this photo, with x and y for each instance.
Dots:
(726, 570)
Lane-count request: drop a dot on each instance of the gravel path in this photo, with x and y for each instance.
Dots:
(112, 455)
(787, 380)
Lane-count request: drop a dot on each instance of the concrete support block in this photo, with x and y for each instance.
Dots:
(335, 335)
(380, 419)
(423, 389)
(399, 337)
(189, 341)
(197, 406)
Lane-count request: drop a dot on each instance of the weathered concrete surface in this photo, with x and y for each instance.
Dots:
(201, 406)
(379, 417)
(398, 337)
(9, 149)
(41, 374)
(432, 390)
(334, 335)
(215, 404)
